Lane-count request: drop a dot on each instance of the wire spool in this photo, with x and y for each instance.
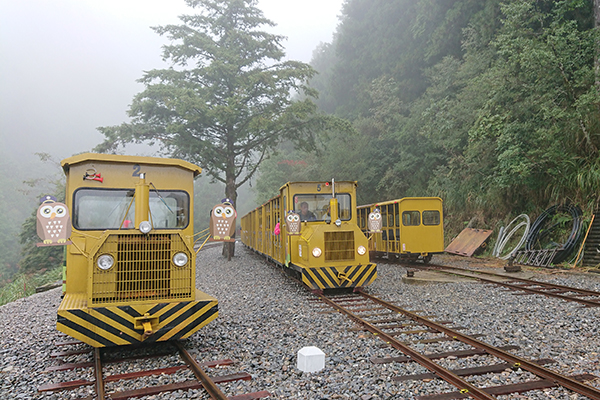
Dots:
(504, 237)
(539, 230)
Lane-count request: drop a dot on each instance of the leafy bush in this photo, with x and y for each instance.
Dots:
(24, 285)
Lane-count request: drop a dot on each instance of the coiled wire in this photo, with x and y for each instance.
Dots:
(504, 237)
(536, 232)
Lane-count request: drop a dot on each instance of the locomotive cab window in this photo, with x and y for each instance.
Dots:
(411, 218)
(431, 217)
(318, 206)
(100, 209)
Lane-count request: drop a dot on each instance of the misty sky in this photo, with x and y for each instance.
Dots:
(69, 66)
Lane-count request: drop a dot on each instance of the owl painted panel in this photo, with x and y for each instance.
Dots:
(374, 223)
(292, 223)
(53, 222)
(222, 221)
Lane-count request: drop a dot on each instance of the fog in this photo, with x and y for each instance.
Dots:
(70, 66)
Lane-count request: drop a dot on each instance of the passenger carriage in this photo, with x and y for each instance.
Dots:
(412, 228)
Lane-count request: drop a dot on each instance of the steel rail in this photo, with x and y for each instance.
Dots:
(586, 292)
(212, 389)
(523, 363)
(583, 291)
(464, 386)
(99, 384)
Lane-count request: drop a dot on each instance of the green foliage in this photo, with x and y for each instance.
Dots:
(24, 285)
(12, 202)
(225, 102)
(399, 39)
(18, 197)
(491, 105)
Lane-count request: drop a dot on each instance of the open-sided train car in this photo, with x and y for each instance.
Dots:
(131, 269)
(412, 228)
(326, 249)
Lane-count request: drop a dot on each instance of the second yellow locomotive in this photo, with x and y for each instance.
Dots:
(310, 230)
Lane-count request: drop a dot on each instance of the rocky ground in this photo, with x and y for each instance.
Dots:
(265, 318)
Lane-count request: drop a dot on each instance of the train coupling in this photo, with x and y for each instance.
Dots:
(146, 323)
(343, 277)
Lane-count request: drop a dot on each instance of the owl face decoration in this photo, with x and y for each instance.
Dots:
(53, 222)
(222, 222)
(374, 223)
(292, 223)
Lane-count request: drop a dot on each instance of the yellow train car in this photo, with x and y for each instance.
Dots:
(412, 228)
(323, 246)
(131, 271)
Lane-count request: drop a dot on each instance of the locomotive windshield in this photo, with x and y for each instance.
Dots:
(99, 209)
(318, 205)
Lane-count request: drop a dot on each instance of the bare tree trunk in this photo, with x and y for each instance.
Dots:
(231, 194)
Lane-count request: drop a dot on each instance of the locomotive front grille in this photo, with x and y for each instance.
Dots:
(339, 246)
(143, 270)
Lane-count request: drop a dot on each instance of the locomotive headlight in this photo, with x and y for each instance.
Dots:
(180, 259)
(145, 227)
(316, 252)
(361, 250)
(105, 262)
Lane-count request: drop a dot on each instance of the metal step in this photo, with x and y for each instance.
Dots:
(536, 258)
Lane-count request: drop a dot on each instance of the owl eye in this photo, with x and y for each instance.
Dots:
(371, 216)
(377, 216)
(296, 218)
(229, 212)
(46, 211)
(218, 211)
(290, 218)
(60, 210)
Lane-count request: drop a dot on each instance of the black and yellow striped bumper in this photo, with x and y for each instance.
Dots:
(123, 325)
(353, 276)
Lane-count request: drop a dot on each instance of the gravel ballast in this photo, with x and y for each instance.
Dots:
(265, 318)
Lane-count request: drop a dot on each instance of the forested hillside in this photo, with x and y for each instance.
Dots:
(492, 105)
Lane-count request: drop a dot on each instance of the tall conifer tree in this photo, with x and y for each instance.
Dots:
(226, 100)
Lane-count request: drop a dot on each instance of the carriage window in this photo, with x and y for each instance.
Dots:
(318, 206)
(431, 217)
(99, 209)
(411, 218)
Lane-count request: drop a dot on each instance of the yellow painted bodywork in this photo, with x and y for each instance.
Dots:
(339, 265)
(144, 292)
(401, 239)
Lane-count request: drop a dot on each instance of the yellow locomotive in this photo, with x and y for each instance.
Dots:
(412, 228)
(310, 230)
(131, 265)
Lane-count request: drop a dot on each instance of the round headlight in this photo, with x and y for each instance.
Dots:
(316, 252)
(105, 261)
(361, 250)
(145, 227)
(180, 259)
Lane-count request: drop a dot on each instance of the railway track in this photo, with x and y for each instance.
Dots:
(588, 298)
(100, 358)
(389, 322)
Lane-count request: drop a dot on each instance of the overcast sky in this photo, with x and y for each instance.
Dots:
(69, 66)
